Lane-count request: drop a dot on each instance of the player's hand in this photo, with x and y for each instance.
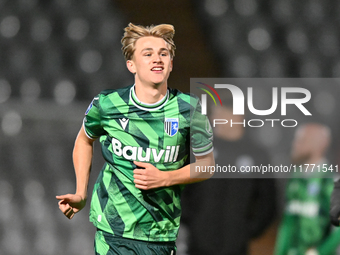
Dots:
(148, 176)
(70, 204)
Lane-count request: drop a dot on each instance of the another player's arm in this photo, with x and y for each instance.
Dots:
(329, 245)
(283, 239)
(70, 204)
(335, 204)
(150, 177)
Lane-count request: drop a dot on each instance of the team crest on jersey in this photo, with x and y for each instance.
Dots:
(171, 126)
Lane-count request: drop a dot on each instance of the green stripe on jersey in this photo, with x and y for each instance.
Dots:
(159, 134)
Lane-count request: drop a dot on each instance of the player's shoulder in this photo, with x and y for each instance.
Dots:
(110, 95)
(114, 92)
(190, 98)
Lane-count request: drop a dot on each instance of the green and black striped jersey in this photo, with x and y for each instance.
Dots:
(160, 134)
(306, 224)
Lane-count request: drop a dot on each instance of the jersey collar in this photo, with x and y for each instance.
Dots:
(147, 107)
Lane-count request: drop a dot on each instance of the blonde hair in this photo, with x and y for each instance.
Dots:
(134, 32)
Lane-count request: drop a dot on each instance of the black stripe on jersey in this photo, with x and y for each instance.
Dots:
(116, 223)
(101, 191)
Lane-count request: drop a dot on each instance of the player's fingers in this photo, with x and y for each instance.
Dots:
(139, 181)
(61, 197)
(138, 186)
(70, 213)
(143, 183)
(75, 210)
(139, 176)
(65, 198)
(63, 206)
(71, 216)
(67, 211)
(62, 203)
(141, 164)
(64, 209)
(139, 171)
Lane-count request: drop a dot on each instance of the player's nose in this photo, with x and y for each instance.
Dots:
(157, 59)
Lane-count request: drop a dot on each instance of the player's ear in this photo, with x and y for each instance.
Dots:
(131, 66)
(171, 64)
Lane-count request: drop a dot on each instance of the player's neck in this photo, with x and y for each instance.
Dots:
(150, 94)
(312, 159)
(315, 159)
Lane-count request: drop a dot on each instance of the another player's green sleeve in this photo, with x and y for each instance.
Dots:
(332, 241)
(329, 246)
(92, 120)
(200, 132)
(284, 235)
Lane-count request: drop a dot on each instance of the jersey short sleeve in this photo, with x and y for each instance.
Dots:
(92, 120)
(200, 131)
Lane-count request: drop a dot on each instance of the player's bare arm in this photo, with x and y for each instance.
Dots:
(70, 204)
(149, 177)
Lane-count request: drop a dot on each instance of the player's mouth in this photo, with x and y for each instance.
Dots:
(157, 69)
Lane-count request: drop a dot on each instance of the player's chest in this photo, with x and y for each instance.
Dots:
(149, 130)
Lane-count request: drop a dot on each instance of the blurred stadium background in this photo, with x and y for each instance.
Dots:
(56, 55)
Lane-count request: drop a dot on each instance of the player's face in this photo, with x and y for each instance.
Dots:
(151, 61)
(227, 132)
(301, 149)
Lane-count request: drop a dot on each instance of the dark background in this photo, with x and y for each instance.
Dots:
(56, 55)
